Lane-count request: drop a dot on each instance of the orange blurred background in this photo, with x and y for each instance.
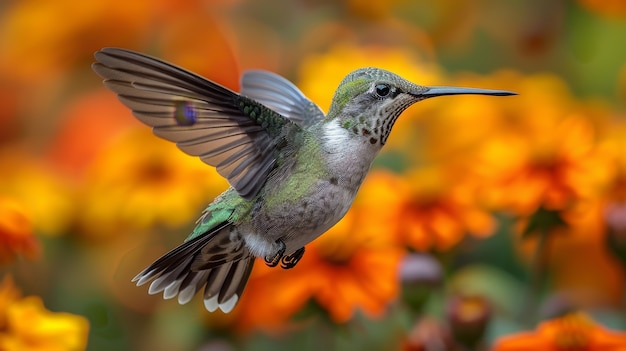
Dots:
(481, 219)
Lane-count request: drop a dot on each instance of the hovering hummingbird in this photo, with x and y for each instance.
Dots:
(293, 171)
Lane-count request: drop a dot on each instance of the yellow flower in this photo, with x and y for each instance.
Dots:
(454, 128)
(26, 325)
(141, 180)
(574, 331)
(16, 232)
(30, 326)
(9, 293)
(48, 198)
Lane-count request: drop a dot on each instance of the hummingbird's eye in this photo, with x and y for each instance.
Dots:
(382, 90)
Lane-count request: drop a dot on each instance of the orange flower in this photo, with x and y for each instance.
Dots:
(614, 149)
(10, 100)
(353, 266)
(283, 293)
(181, 46)
(581, 248)
(141, 180)
(575, 252)
(552, 170)
(536, 151)
(16, 232)
(575, 331)
(356, 268)
(607, 8)
(614, 216)
(42, 38)
(371, 10)
(25, 324)
(577, 255)
(426, 209)
(89, 123)
(39, 43)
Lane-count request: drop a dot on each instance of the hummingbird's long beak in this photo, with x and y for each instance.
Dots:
(441, 91)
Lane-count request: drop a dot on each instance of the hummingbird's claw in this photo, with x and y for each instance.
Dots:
(274, 260)
(290, 261)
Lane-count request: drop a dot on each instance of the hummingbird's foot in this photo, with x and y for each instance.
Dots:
(290, 261)
(272, 261)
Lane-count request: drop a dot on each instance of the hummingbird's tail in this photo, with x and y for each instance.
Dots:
(211, 260)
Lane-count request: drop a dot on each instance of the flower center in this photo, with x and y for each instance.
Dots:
(155, 171)
(336, 252)
(573, 333)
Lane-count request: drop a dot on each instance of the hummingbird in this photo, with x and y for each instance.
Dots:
(293, 171)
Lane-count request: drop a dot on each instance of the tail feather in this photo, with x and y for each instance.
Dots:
(239, 270)
(181, 273)
(224, 285)
(166, 279)
(192, 283)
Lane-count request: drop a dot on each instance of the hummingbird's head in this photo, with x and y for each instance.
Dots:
(369, 101)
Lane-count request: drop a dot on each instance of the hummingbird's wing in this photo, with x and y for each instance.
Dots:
(239, 136)
(282, 96)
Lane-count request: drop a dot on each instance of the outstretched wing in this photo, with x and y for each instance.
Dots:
(239, 136)
(282, 96)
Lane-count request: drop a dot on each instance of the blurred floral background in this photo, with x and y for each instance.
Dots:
(486, 223)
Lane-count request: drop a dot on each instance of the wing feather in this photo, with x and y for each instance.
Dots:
(242, 138)
(282, 96)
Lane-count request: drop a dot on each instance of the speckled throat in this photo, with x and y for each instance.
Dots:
(378, 126)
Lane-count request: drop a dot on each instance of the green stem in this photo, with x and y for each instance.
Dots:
(538, 273)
